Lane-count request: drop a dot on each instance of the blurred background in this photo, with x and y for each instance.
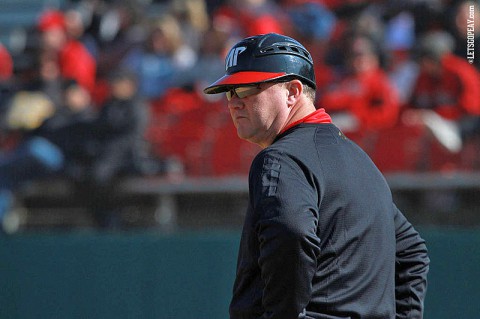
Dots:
(123, 186)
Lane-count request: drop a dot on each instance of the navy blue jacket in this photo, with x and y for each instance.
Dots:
(322, 237)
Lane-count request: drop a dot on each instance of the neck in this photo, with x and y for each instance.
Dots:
(298, 112)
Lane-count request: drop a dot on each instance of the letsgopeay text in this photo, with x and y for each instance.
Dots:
(471, 34)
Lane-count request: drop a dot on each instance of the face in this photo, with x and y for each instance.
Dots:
(77, 98)
(260, 117)
(361, 56)
(430, 66)
(54, 38)
(363, 62)
(123, 89)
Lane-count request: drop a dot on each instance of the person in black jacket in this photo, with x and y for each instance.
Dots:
(322, 236)
(116, 142)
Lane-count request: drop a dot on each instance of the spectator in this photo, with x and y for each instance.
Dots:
(47, 77)
(364, 95)
(194, 21)
(33, 159)
(6, 73)
(119, 128)
(313, 25)
(429, 15)
(117, 143)
(6, 64)
(65, 127)
(252, 17)
(447, 84)
(209, 64)
(74, 60)
(310, 19)
(118, 31)
(446, 93)
(399, 40)
(48, 145)
(75, 26)
(163, 54)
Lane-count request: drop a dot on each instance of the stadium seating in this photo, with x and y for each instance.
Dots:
(203, 138)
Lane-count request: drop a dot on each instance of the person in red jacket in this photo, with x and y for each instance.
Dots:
(447, 84)
(6, 64)
(446, 100)
(252, 17)
(73, 57)
(365, 93)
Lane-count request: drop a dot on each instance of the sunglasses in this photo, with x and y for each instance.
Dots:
(243, 91)
(247, 90)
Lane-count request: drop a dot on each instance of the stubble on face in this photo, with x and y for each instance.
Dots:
(258, 118)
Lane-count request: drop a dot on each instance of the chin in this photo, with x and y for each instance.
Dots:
(244, 135)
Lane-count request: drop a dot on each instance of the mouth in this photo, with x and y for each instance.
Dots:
(239, 117)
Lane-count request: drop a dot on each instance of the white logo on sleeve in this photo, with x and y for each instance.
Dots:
(232, 58)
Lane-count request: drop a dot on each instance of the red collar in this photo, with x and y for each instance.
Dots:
(319, 116)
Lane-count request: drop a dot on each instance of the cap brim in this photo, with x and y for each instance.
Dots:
(239, 78)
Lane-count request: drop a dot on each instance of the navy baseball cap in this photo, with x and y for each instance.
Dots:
(264, 58)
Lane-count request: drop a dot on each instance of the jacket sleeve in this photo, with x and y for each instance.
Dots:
(285, 203)
(412, 265)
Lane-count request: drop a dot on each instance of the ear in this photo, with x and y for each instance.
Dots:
(295, 90)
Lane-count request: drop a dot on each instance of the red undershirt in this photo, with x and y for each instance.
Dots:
(319, 116)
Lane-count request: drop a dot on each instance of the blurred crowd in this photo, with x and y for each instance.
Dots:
(100, 88)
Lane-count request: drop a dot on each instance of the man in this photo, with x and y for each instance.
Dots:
(322, 237)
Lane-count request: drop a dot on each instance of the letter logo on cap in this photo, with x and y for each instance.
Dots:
(232, 58)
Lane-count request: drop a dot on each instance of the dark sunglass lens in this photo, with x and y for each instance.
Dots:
(229, 94)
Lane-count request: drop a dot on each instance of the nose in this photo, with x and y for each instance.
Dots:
(235, 102)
